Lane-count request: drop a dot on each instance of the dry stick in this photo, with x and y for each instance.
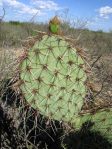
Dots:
(1, 17)
(101, 88)
(96, 60)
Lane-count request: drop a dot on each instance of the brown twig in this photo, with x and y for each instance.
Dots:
(1, 17)
(96, 60)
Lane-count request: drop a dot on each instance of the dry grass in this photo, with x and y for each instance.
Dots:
(8, 61)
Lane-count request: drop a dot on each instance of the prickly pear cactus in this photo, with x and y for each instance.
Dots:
(53, 78)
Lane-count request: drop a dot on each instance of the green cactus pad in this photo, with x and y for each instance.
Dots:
(101, 119)
(103, 123)
(54, 28)
(53, 79)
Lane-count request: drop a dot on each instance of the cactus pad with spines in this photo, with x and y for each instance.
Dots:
(53, 78)
(101, 121)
